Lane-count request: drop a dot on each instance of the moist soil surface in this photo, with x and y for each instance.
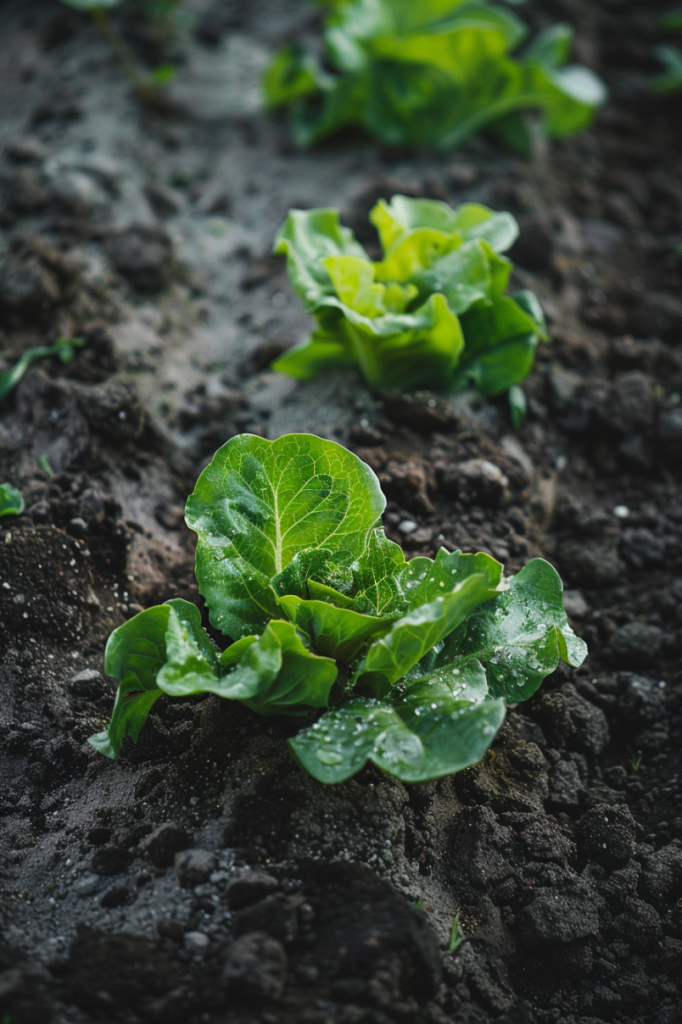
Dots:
(202, 876)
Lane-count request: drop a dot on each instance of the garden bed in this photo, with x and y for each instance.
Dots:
(147, 232)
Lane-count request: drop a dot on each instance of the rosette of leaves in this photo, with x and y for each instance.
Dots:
(432, 72)
(432, 313)
(405, 663)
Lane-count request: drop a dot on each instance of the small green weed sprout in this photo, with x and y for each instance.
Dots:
(456, 934)
(635, 759)
(63, 348)
(148, 86)
(408, 664)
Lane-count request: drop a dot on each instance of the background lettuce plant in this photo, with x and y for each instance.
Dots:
(432, 313)
(432, 72)
(407, 664)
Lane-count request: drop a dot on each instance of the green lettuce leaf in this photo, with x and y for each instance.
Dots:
(259, 504)
(11, 501)
(335, 632)
(435, 725)
(520, 636)
(501, 338)
(135, 654)
(445, 594)
(306, 238)
(278, 675)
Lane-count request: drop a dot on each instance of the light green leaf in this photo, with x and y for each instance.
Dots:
(353, 281)
(325, 349)
(435, 726)
(466, 276)
(521, 635)
(402, 216)
(422, 355)
(307, 237)
(551, 47)
(11, 501)
(260, 503)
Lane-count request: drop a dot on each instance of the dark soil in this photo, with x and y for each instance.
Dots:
(201, 876)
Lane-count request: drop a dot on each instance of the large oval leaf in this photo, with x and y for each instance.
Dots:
(260, 503)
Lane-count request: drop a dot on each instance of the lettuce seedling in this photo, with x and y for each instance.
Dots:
(432, 313)
(433, 73)
(11, 501)
(405, 663)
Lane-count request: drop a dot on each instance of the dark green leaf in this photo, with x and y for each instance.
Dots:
(338, 633)
(278, 675)
(436, 725)
(261, 503)
(461, 582)
(520, 636)
(134, 654)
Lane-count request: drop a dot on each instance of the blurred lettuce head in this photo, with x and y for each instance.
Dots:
(431, 313)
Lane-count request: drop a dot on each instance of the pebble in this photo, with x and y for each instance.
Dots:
(161, 845)
(249, 887)
(194, 867)
(407, 526)
(87, 885)
(196, 942)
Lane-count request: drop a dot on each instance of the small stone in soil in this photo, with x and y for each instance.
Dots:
(161, 845)
(194, 867)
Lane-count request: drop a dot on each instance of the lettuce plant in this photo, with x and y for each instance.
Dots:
(432, 313)
(432, 72)
(407, 664)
